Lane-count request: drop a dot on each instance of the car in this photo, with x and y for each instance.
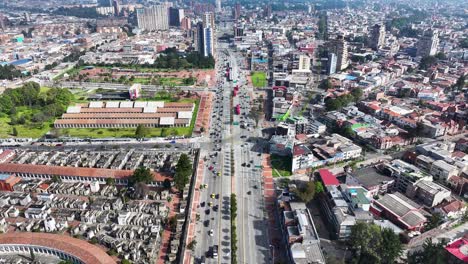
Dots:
(210, 204)
(219, 173)
(215, 208)
(206, 223)
(255, 187)
(210, 168)
(215, 251)
(212, 196)
(202, 204)
(211, 232)
(249, 192)
(207, 211)
(243, 164)
(248, 165)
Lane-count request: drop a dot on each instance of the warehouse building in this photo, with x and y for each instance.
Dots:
(127, 114)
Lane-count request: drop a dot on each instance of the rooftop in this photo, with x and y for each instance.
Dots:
(370, 176)
(328, 178)
(459, 249)
(83, 250)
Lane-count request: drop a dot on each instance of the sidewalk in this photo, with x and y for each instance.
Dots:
(195, 202)
(274, 232)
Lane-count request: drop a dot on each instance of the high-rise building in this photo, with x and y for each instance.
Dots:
(208, 38)
(267, 10)
(428, 44)
(153, 18)
(238, 31)
(339, 46)
(218, 6)
(208, 20)
(331, 65)
(107, 3)
(237, 11)
(175, 16)
(186, 24)
(304, 63)
(198, 37)
(115, 4)
(377, 39)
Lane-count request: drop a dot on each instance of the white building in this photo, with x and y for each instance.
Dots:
(153, 18)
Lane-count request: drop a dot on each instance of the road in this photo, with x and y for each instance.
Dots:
(214, 227)
(253, 245)
(226, 141)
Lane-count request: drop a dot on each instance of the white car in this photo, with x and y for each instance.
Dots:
(211, 233)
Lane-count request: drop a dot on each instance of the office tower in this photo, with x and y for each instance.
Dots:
(208, 41)
(175, 16)
(186, 24)
(208, 19)
(107, 3)
(218, 6)
(304, 63)
(27, 18)
(198, 37)
(377, 39)
(237, 11)
(115, 4)
(339, 46)
(331, 65)
(153, 18)
(428, 44)
(267, 11)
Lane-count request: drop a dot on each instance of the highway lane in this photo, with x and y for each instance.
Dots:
(252, 225)
(216, 150)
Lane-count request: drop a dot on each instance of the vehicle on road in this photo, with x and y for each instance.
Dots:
(215, 251)
(211, 232)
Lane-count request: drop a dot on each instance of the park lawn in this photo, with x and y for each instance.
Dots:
(24, 131)
(130, 132)
(259, 79)
(281, 166)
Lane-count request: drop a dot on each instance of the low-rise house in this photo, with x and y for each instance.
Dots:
(371, 179)
(453, 209)
(441, 170)
(428, 193)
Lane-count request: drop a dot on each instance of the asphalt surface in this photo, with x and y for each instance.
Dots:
(227, 147)
(214, 227)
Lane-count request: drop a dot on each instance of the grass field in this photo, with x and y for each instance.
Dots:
(281, 166)
(27, 130)
(130, 132)
(259, 79)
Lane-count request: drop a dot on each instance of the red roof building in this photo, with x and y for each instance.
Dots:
(458, 250)
(7, 181)
(328, 178)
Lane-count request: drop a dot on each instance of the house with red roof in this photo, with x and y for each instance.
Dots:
(458, 251)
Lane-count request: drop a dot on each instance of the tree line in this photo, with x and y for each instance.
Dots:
(171, 59)
(45, 106)
(339, 102)
(9, 72)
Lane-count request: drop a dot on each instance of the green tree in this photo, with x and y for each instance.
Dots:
(306, 192)
(434, 221)
(14, 132)
(141, 132)
(141, 174)
(357, 94)
(431, 253)
(110, 181)
(56, 179)
(319, 187)
(325, 84)
(183, 172)
(461, 82)
(125, 261)
(391, 247)
(192, 245)
(371, 244)
(427, 62)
